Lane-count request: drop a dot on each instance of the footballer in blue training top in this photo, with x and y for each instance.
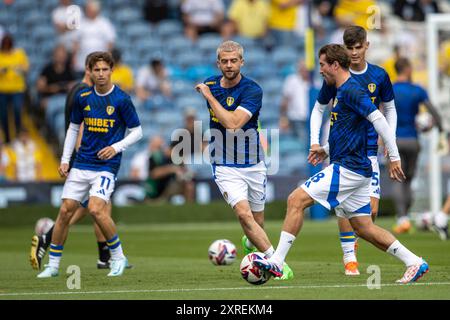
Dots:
(234, 103)
(106, 112)
(344, 184)
(375, 82)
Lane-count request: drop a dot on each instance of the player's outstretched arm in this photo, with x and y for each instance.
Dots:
(230, 120)
(381, 126)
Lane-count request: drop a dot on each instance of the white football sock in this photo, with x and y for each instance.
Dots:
(286, 241)
(441, 220)
(269, 252)
(401, 252)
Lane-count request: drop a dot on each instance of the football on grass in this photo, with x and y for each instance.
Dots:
(222, 252)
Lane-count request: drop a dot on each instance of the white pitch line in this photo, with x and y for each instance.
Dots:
(218, 289)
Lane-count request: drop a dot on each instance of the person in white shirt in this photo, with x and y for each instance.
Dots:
(152, 79)
(202, 16)
(295, 101)
(27, 158)
(66, 19)
(96, 33)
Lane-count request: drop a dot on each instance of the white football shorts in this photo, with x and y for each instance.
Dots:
(81, 184)
(344, 190)
(237, 184)
(375, 187)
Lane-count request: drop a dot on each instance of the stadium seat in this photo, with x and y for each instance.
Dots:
(175, 72)
(247, 43)
(127, 15)
(255, 56)
(138, 30)
(200, 72)
(283, 56)
(193, 100)
(178, 44)
(209, 42)
(55, 105)
(189, 58)
(272, 86)
(168, 28)
(181, 87)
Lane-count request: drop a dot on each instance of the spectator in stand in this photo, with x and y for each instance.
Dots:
(156, 10)
(152, 80)
(414, 10)
(123, 74)
(167, 179)
(282, 21)
(202, 16)
(96, 33)
(13, 68)
(57, 77)
(353, 12)
(28, 158)
(247, 18)
(295, 101)
(64, 18)
(140, 160)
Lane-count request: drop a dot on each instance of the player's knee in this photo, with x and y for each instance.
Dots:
(295, 201)
(245, 217)
(65, 214)
(95, 211)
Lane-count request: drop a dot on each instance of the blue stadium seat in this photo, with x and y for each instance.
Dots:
(188, 58)
(181, 87)
(158, 102)
(169, 28)
(209, 42)
(200, 72)
(193, 100)
(138, 30)
(283, 56)
(178, 44)
(55, 105)
(247, 43)
(272, 86)
(127, 15)
(175, 72)
(43, 32)
(255, 56)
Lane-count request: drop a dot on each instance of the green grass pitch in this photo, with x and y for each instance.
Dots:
(170, 262)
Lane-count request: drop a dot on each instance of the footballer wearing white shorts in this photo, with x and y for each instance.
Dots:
(376, 83)
(344, 184)
(106, 112)
(234, 102)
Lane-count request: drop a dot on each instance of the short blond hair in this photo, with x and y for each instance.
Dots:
(230, 46)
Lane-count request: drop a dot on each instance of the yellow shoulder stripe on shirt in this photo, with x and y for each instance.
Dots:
(84, 94)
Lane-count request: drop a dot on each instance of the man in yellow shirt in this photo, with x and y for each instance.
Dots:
(249, 17)
(354, 12)
(282, 21)
(13, 68)
(122, 75)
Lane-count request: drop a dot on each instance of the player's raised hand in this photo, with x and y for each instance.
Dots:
(203, 89)
(63, 170)
(316, 154)
(106, 153)
(396, 172)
